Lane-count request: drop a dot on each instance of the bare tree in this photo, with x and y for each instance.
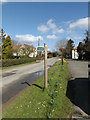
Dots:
(14, 42)
(26, 51)
(61, 43)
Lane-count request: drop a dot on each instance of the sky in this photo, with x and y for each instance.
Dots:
(50, 22)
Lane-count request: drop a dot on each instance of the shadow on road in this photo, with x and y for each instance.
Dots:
(78, 91)
(32, 84)
(38, 86)
(26, 83)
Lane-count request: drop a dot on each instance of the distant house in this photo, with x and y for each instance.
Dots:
(24, 50)
(75, 53)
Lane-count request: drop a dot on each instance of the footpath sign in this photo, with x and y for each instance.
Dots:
(40, 48)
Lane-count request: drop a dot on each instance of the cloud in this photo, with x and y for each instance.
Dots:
(52, 37)
(51, 24)
(81, 23)
(28, 38)
(3, 0)
(68, 38)
(58, 31)
(43, 28)
(76, 37)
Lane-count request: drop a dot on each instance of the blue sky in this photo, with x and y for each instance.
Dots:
(49, 21)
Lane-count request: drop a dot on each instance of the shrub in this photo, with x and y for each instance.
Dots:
(10, 62)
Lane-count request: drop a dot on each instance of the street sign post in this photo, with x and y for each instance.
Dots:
(45, 65)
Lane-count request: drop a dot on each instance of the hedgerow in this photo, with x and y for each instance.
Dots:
(10, 62)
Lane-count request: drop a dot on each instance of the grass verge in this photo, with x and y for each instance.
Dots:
(35, 102)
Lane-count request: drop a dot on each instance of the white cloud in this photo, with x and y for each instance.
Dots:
(58, 31)
(28, 38)
(74, 37)
(51, 24)
(43, 28)
(81, 23)
(3, 0)
(52, 37)
(68, 38)
(77, 37)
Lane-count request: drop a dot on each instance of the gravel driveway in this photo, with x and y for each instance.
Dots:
(78, 69)
(78, 87)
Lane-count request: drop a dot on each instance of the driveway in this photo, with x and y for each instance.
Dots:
(78, 69)
(78, 88)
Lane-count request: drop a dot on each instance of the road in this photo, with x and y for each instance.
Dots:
(14, 79)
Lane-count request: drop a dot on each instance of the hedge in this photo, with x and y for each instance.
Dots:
(10, 62)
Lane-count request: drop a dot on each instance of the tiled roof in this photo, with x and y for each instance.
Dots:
(31, 46)
(75, 48)
(16, 47)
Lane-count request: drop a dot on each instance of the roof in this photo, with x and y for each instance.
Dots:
(75, 48)
(16, 47)
(30, 46)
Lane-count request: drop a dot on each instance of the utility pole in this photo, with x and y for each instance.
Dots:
(45, 64)
(38, 42)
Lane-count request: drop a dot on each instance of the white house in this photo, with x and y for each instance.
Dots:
(75, 53)
(22, 50)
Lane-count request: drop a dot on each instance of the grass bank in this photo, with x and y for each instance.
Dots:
(35, 102)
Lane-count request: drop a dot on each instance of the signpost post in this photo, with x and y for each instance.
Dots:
(45, 64)
(62, 50)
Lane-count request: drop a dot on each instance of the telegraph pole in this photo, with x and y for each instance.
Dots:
(38, 42)
(45, 64)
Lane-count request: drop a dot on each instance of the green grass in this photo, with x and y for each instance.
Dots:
(38, 103)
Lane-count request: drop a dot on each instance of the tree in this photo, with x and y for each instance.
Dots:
(84, 47)
(14, 42)
(7, 51)
(80, 49)
(69, 48)
(2, 37)
(61, 43)
(26, 50)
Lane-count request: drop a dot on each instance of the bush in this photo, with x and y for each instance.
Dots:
(49, 56)
(10, 62)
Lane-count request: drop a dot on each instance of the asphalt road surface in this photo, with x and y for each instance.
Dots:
(16, 79)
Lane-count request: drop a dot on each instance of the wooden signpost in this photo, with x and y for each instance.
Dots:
(45, 64)
(62, 50)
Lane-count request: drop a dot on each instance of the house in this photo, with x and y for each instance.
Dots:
(24, 51)
(75, 53)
